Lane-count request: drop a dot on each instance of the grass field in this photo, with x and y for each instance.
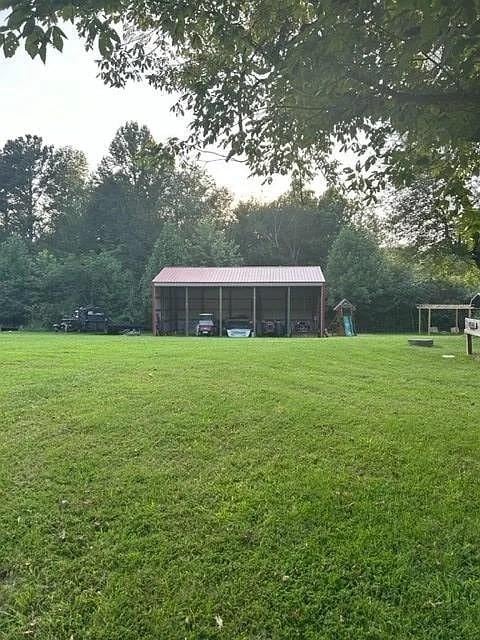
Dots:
(258, 489)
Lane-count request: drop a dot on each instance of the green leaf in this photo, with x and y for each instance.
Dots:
(42, 52)
(32, 43)
(18, 16)
(28, 27)
(57, 38)
(105, 45)
(10, 45)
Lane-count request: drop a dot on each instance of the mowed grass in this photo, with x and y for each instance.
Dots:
(156, 488)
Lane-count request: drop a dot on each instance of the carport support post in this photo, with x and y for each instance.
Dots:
(429, 320)
(154, 319)
(220, 311)
(254, 311)
(289, 333)
(186, 311)
(419, 320)
(322, 311)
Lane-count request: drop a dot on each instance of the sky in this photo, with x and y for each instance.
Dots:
(65, 103)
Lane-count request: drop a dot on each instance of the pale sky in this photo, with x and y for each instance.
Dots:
(65, 103)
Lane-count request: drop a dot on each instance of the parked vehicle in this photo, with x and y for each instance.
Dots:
(303, 327)
(239, 328)
(93, 320)
(206, 325)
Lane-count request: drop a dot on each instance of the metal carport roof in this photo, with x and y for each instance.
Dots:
(240, 276)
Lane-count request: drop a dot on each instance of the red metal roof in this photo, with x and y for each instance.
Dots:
(239, 276)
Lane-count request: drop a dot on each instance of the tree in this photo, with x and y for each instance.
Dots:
(421, 219)
(283, 81)
(42, 190)
(25, 173)
(204, 245)
(69, 191)
(15, 281)
(136, 158)
(61, 284)
(207, 245)
(356, 268)
(139, 187)
(123, 209)
(293, 230)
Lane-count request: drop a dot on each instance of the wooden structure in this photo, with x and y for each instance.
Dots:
(472, 329)
(438, 307)
(292, 298)
(343, 324)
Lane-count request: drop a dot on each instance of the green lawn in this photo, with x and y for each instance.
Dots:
(156, 488)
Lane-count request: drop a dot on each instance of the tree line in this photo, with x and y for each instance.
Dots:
(69, 237)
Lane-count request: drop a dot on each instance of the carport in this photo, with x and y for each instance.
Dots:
(293, 298)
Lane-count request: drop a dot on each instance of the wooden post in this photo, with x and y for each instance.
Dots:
(154, 318)
(220, 311)
(288, 312)
(456, 318)
(469, 344)
(254, 311)
(186, 311)
(429, 320)
(322, 311)
(419, 320)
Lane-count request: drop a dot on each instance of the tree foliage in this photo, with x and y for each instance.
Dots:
(68, 238)
(284, 81)
(422, 219)
(61, 284)
(386, 285)
(15, 281)
(204, 245)
(293, 230)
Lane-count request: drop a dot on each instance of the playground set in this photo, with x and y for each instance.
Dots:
(343, 323)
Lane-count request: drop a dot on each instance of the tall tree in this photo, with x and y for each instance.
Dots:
(130, 180)
(356, 268)
(383, 291)
(140, 186)
(42, 190)
(287, 231)
(420, 218)
(25, 174)
(68, 190)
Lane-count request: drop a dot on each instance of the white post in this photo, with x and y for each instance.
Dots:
(254, 311)
(429, 320)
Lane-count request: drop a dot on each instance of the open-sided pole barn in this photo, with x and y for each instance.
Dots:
(293, 298)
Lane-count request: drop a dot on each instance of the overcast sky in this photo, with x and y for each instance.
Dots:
(65, 103)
